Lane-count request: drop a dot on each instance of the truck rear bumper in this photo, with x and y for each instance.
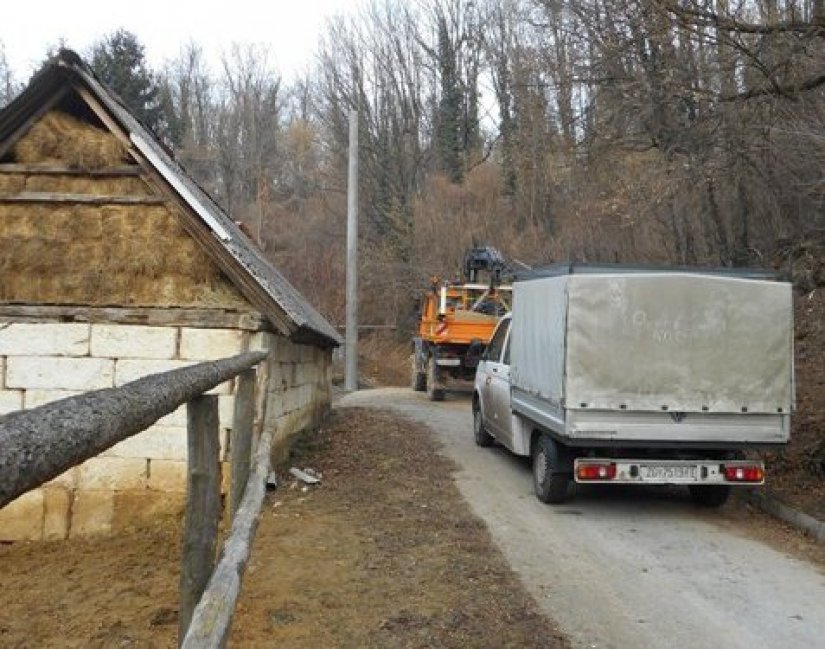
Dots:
(651, 471)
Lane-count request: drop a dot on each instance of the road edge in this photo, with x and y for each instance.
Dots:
(776, 508)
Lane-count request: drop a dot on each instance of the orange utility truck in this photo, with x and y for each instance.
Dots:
(457, 321)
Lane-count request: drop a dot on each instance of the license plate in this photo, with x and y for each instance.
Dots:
(664, 472)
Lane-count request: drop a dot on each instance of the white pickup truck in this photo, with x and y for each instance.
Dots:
(607, 375)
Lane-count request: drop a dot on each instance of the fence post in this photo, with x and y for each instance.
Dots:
(241, 443)
(202, 505)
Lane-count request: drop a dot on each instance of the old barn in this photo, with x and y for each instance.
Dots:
(115, 264)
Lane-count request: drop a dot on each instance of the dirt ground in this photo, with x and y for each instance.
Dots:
(384, 553)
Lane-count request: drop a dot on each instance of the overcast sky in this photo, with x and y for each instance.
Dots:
(289, 28)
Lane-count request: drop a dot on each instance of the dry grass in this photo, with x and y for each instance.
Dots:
(111, 255)
(97, 255)
(59, 137)
(12, 183)
(384, 359)
(96, 186)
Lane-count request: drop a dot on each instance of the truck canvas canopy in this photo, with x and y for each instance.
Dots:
(663, 341)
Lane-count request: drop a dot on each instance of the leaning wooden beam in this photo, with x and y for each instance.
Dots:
(39, 444)
(86, 199)
(213, 615)
(63, 170)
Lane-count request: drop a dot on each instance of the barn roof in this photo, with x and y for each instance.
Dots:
(242, 261)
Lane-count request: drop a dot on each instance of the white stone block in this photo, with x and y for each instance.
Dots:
(287, 351)
(127, 370)
(112, 474)
(35, 398)
(261, 341)
(59, 373)
(92, 513)
(66, 480)
(10, 400)
(57, 506)
(291, 399)
(175, 419)
(226, 410)
(44, 339)
(22, 519)
(133, 341)
(167, 475)
(156, 442)
(210, 344)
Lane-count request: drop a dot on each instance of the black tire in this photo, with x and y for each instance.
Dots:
(709, 495)
(549, 480)
(434, 393)
(418, 380)
(482, 437)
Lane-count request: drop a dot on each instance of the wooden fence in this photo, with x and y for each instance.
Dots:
(39, 444)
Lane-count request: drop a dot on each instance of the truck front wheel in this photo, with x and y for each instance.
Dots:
(549, 480)
(418, 380)
(482, 437)
(434, 392)
(709, 495)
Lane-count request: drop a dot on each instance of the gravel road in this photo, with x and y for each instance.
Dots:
(621, 567)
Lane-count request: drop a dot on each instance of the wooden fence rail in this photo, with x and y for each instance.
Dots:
(39, 444)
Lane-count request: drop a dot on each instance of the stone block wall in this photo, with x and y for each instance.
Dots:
(298, 390)
(43, 362)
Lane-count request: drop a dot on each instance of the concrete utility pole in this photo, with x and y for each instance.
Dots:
(351, 351)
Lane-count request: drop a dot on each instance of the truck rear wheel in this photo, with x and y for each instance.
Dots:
(549, 481)
(418, 379)
(709, 495)
(434, 392)
(482, 437)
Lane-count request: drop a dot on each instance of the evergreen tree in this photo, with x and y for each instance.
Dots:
(119, 61)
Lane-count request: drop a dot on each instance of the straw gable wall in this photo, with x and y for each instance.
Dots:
(89, 266)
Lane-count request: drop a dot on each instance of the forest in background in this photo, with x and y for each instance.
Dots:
(665, 131)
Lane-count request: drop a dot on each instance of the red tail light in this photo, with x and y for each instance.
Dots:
(744, 473)
(596, 471)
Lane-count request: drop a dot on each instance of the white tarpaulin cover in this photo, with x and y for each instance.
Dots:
(675, 341)
(537, 336)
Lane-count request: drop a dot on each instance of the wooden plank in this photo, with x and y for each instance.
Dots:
(102, 113)
(62, 170)
(153, 316)
(212, 618)
(203, 504)
(241, 442)
(86, 199)
(41, 443)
